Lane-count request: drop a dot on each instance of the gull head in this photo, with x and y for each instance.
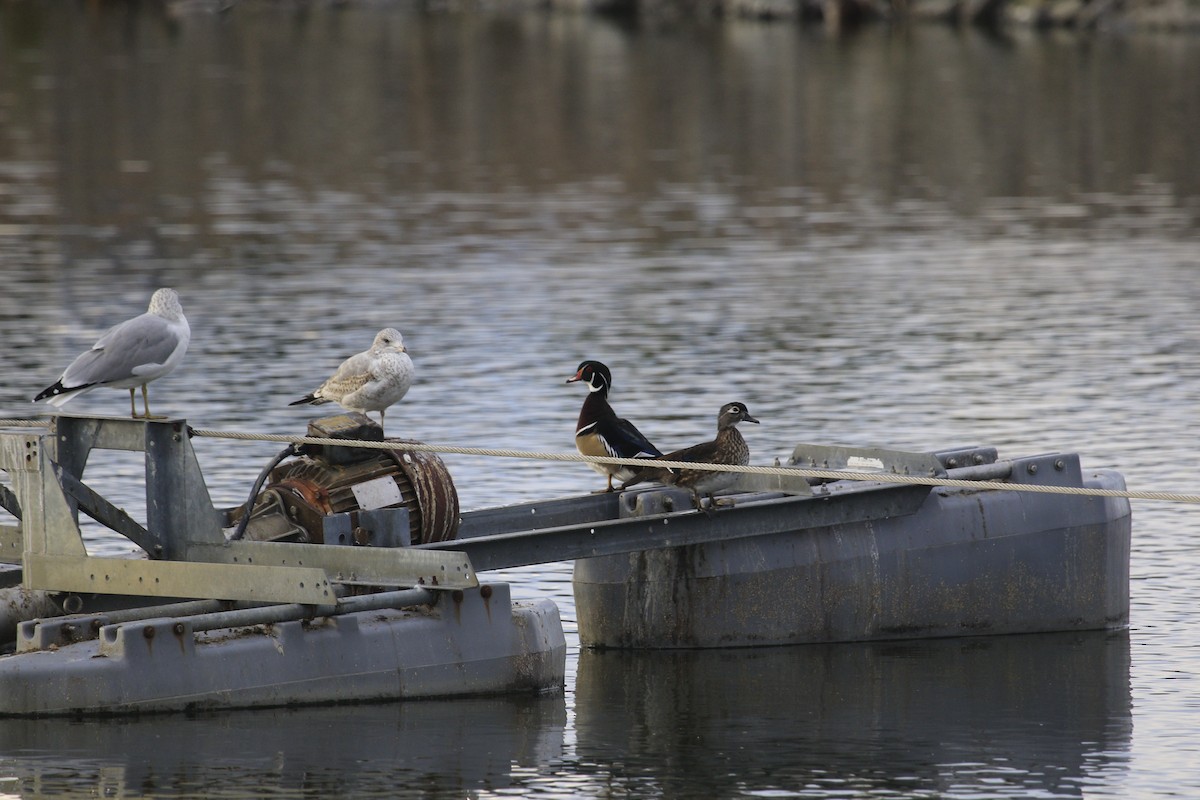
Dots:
(165, 303)
(388, 340)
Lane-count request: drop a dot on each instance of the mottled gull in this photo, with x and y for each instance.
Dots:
(129, 355)
(371, 380)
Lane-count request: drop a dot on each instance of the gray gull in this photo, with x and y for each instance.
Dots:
(129, 355)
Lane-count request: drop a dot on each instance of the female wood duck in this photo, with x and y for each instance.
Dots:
(600, 432)
(728, 448)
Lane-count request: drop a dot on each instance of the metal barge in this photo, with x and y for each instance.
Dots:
(878, 561)
(351, 575)
(801, 560)
(275, 614)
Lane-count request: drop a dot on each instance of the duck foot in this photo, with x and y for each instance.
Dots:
(698, 504)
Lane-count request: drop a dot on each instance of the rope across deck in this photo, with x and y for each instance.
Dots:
(824, 474)
(532, 455)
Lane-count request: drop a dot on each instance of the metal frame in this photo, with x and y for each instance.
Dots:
(189, 555)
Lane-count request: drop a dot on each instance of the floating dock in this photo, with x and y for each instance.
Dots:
(206, 620)
(350, 574)
(843, 560)
(957, 561)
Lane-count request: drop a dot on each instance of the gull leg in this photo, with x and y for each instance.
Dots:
(146, 401)
(132, 406)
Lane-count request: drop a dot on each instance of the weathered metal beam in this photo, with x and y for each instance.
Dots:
(251, 582)
(565, 543)
(104, 512)
(586, 509)
(9, 502)
(72, 438)
(375, 566)
(178, 507)
(536, 516)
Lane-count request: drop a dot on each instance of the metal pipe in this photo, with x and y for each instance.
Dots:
(998, 471)
(18, 604)
(400, 598)
(297, 611)
(119, 616)
(186, 609)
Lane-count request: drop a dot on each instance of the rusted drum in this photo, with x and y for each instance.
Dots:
(303, 491)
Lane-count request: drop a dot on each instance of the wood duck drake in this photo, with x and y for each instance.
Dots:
(600, 432)
(727, 448)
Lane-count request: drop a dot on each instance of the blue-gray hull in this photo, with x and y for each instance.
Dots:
(967, 562)
(477, 643)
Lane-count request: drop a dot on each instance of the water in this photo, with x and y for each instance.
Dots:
(916, 238)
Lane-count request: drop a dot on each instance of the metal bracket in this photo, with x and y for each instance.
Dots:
(380, 527)
(866, 459)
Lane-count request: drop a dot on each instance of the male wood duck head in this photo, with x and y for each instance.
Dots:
(600, 432)
(727, 448)
(596, 375)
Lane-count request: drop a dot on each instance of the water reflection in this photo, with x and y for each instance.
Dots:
(425, 749)
(1011, 716)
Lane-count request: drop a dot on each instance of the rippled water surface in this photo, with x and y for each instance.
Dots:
(917, 238)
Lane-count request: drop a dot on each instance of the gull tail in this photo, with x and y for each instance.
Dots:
(307, 400)
(59, 395)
